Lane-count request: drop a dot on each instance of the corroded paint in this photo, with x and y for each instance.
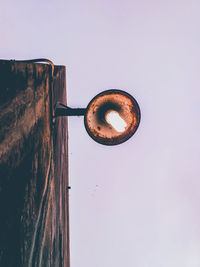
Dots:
(112, 100)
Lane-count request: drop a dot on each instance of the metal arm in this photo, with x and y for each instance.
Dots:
(67, 111)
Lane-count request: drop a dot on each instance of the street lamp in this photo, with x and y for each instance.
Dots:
(110, 118)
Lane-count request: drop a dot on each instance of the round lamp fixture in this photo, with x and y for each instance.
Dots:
(110, 118)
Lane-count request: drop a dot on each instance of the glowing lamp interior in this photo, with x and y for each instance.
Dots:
(114, 119)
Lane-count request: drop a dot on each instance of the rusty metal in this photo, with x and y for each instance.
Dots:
(94, 116)
(117, 100)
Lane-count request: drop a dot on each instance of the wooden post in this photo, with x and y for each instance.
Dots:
(34, 210)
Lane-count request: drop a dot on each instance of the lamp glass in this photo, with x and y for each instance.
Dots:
(112, 117)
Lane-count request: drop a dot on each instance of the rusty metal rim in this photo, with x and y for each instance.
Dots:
(114, 141)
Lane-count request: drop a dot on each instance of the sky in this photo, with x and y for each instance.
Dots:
(135, 204)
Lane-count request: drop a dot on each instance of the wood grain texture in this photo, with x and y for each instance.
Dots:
(34, 210)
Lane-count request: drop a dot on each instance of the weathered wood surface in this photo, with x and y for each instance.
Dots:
(34, 222)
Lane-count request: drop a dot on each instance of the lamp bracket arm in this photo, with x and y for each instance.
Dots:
(63, 110)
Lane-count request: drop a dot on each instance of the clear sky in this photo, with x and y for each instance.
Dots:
(136, 204)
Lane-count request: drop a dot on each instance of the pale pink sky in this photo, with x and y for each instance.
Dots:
(136, 204)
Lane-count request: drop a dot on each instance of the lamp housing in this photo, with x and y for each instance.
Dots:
(110, 118)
